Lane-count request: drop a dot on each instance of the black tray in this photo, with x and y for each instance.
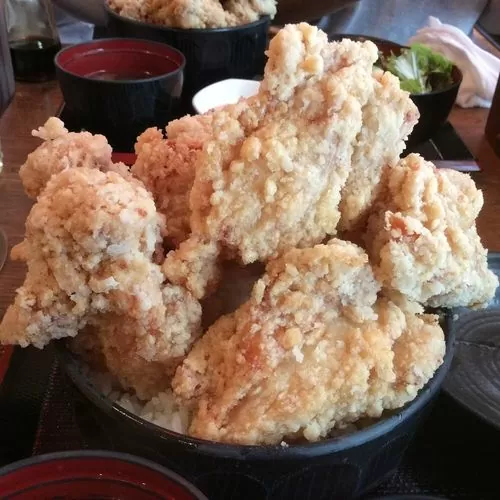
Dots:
(474, 379)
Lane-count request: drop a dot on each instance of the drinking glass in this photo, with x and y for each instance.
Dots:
(6, 93)
(6, 73)
(33, 38)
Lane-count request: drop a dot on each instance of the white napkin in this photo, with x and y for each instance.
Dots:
(480, 68)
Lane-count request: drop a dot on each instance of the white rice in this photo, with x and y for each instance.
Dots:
(162, 410)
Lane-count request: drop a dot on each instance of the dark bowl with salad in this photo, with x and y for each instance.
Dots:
(432, 80)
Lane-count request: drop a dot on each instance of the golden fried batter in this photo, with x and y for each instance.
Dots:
(388, 118)
(313, 349)
(89, 247)
(62, 150)
(271, 176)
(195, 14)
(423, 240)
(166, 167)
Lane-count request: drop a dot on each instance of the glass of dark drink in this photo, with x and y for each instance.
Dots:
(6, 93)
(33, 38)
(6, 74)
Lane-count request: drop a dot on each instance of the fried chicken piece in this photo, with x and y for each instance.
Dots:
(62, 150)
(195, 14)
(122, 346)
(271, 177)
(42, 311)
(93, 236)
(191, 129)
(388, 118)
(249, 11)
(312, 350)
(422, 237)
(166, 167)
(418, 352)
(117, 343)
(89, 242)
(189, 14)
(195, 265)
(133, 9)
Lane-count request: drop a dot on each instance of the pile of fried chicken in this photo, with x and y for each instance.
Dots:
(195, 14)
(270, 193)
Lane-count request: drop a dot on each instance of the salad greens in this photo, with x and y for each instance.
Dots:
(419, 69)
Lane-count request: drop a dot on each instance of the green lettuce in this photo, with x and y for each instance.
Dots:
(419, 69)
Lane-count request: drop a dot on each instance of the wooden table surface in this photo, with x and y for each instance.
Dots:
(34, 103)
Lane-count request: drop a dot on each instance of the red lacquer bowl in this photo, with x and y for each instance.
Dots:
(120, 87)
(93, 474)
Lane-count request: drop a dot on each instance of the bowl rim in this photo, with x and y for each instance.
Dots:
(264, 452)
(106, 455)
(100, 41)
(111, 12)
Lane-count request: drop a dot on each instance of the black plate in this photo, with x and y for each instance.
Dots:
(474, 378)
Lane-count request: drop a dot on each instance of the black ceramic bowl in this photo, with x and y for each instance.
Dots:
(92, 474)
(120, 87)
(434, 107)
(211, 54)
(337, 468)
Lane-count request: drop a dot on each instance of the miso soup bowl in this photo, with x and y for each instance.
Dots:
(120, 87)
(92, 474)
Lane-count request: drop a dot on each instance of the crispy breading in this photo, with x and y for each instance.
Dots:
(134, 9)
(117, 343)
(388, 118)
(62, 150)
(195, 266)
(195, 14)
(271, 176)
(89, 246)
(313, 349)
(422, 237)
(191, 129)
(92, 235)
(249, 11)
(166, 167)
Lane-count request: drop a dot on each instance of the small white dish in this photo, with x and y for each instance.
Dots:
(228, 91)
